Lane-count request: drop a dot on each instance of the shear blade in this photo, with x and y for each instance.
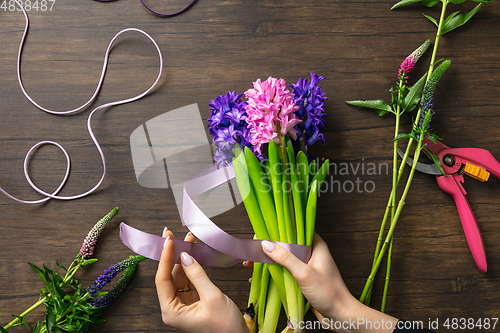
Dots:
(430, 169)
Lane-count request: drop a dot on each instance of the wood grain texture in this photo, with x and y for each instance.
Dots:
(225, 45)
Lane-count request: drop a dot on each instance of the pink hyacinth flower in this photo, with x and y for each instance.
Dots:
(270, 103)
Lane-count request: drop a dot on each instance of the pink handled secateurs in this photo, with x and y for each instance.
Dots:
(474, 162)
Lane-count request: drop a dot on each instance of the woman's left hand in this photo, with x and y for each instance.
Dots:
(189, 301)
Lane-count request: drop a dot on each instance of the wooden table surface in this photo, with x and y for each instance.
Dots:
(226, 45)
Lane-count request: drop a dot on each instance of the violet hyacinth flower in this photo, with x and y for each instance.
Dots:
(310, 99)
(228, 127)
(270, 104)
(87, 249)
(409, 63)
(110, 273)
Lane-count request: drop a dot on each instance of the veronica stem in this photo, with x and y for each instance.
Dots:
(395, 181)
(394, 221)
(387, 275)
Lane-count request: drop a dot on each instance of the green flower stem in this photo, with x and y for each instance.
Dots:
(69, 274)
(255, 286)
(387, 275)
(395, 181)
(390, 233)
(273, 308)
(438, 35)
(261, 306)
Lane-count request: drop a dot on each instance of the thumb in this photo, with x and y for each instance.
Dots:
(286, 259)
(197, 276)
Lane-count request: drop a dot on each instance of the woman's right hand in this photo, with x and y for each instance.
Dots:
(323, 286)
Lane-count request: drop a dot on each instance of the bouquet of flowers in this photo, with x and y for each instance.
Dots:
(78, 311)
(265, 139)
(405, 99)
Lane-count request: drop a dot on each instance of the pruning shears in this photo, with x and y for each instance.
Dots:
(455, 162)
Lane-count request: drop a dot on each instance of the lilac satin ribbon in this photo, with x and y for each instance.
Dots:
(161, 14)
(218, 249)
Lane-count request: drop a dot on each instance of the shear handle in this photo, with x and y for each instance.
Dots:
(452, 185)
(479, 157)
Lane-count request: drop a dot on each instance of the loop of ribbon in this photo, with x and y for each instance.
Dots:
(158, 13)
(54, 195)
(217, 248)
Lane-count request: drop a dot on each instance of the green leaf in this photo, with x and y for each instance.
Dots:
(43, 292)
(456, 20)
(436, 161)
(433, 137)
(297, 200)
(414, 94)
(432, 19)
(275, 170)
(63, 267)
(43, 275)
(378, 105)
(303, 171)
(262, 192)
(88, 262)
(312, 203)
(249, 199)
(321, 174)
(405, 136)
(36, 328)
(3, 330)
(430, 3)
(21, 322)
(457, 2)
(403, 3)
(50, 318)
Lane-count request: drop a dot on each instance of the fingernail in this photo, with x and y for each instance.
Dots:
(268, 246)
(164, 232)
(166, 241)
(187, 235)
(186, 259)
(245, 263)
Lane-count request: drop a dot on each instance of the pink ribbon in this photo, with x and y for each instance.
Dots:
(217, 248)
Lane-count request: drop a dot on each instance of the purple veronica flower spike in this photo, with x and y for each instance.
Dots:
(117, 289)
(310, 98)
(110, 273)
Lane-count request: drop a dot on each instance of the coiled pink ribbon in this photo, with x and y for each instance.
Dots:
(161, 14)
(54, 195)
(218, 249)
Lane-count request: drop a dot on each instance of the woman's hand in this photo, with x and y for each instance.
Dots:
(189, 301)
(323, 286)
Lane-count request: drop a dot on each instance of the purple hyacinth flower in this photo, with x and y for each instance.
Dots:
(228, 126)
(310, 98)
